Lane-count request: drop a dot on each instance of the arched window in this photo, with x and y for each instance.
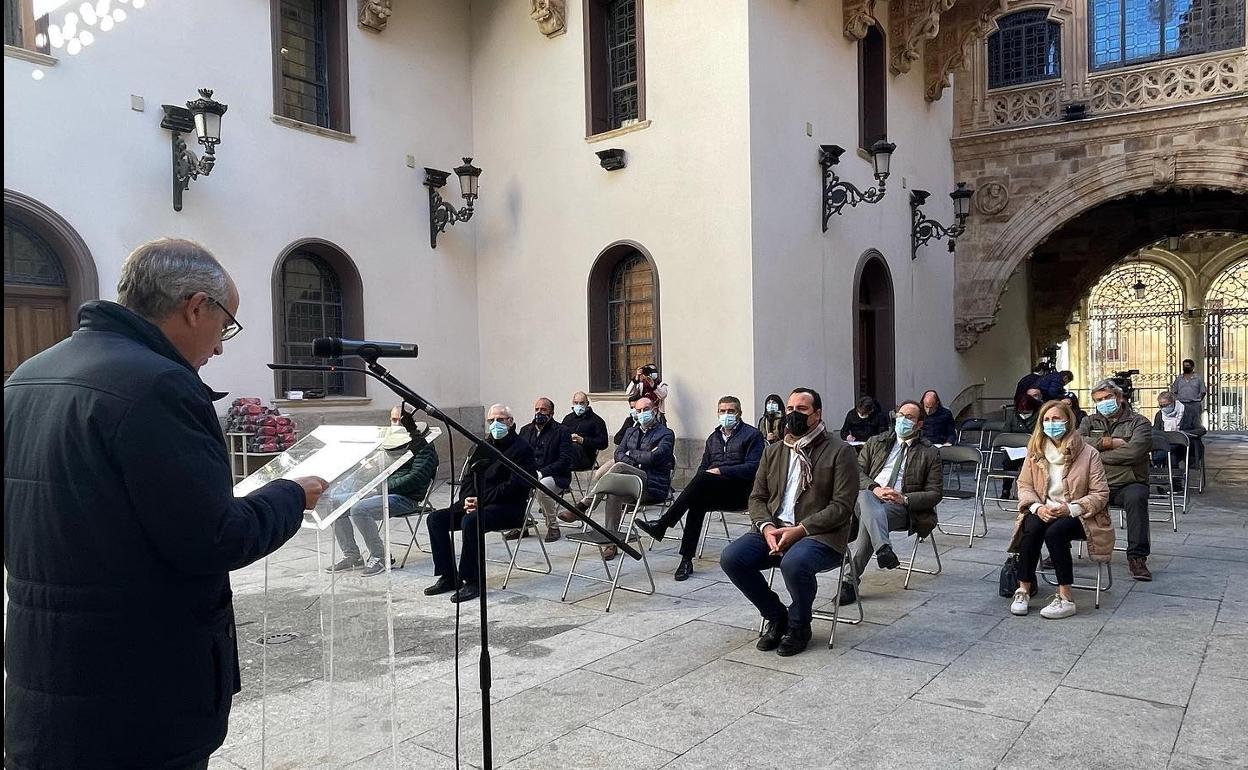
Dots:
(623, 316)
(317, 295)
(1026, 48)
(36, 295)
(874, 352)
(872, 88)
(1123, 32)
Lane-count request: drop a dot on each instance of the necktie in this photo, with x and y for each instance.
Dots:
(901, 460)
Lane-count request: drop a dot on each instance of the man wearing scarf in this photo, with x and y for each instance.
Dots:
(802, 508)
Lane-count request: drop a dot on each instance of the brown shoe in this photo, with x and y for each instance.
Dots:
(552, 533)
(568, 516)
(610, 552)
(1138, 567)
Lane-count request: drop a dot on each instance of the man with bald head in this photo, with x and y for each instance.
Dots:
(121, 527)
(588, 431)
(498, 503)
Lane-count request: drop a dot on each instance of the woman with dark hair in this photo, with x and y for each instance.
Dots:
(771, 424)
(1071, 400)
(939, 427)
(864, 421)
(1022, 420)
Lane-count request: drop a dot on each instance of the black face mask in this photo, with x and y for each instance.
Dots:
(797, 423)
(1189, 369)
(540, 419)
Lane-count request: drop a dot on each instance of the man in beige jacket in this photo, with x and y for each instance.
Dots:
(802, 507)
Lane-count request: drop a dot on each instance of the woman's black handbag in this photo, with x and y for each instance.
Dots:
(1009, 576)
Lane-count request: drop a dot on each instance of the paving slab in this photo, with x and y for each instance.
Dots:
(1004, 680)
(1216, 725)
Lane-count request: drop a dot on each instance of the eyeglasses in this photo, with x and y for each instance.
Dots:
(229, 330)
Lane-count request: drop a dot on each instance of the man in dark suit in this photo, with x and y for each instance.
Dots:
(899, 488)
(498, 504)
(588, 430)
(553, 453)
(722, 482)
(802, 507)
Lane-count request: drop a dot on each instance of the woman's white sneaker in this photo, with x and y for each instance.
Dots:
(1021, 601)
(1058, 608)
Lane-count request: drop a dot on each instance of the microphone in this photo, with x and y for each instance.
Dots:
(336, 347)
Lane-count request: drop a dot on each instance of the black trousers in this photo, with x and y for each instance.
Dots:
(1057, 535)
(440, 523)
(706, 492)
(1133, 498)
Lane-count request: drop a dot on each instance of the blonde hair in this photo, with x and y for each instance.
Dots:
(1035, 447)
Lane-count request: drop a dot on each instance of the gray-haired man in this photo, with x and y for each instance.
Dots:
(121, 527)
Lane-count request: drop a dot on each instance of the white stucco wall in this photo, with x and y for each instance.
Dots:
(804, 70)
(549, 209)
(72, 141)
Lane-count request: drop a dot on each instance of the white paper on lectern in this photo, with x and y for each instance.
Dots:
(332, 461)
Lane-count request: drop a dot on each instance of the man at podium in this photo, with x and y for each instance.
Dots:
(121, 526)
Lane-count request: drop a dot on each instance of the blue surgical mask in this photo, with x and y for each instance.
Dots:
(727, 421)
(904, 426)
(645, 417)
(579, 409)
(1168, 409)
(1108, 407)
(774, 408)
(498, 429)
(1055, 429)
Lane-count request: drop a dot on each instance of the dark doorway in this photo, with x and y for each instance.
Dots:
(874, 351)
(36, 295)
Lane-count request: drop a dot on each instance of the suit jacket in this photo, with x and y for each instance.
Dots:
(921, 479)
(826, 509)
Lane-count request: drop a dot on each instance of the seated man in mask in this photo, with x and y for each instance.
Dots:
(646, 451)
(722, 482)
(588, 431)
(802, 507)
(553, 453)
(497, 502)
(1125, 440)
(899, 488)
(1175, 416)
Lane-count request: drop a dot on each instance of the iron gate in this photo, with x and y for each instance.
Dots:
(1135, 328)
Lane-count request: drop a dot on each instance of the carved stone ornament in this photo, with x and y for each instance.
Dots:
(1164, 169)
(916, 21)
(992, 198)
(374, 14)
(859, 17)
(550, 15)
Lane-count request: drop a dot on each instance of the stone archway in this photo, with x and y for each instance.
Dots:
(994, 250)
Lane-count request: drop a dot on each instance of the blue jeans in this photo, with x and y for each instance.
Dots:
(745, 558)
(367, 516)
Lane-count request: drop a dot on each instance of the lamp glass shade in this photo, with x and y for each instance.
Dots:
(962, 200)
(208, 127)
(881, 157)
(1140, 288)
(468, 175)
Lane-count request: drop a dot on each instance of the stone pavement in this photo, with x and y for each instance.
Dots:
(939, 676)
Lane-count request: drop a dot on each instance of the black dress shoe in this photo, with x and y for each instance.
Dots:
(886, 558)
(443, 585)
(654, 529)
(769, 639)
(794, 641)
(848, 595)
(466, 593)
(684, 570)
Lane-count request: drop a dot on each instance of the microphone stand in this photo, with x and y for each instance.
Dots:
(383, 375)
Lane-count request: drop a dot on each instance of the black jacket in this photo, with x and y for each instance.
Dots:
(120, 528)
(501, 487)
(736, 458)
(629, 422)
(863, 428)
(939, 427)
(552, 451)
(652, 451)
(590, 427)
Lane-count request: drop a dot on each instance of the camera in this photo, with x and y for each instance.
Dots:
(1123, 380)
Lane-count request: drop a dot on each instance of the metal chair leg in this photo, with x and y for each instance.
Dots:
(909, 564)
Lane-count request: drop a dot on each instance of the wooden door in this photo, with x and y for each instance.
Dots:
(35, 318)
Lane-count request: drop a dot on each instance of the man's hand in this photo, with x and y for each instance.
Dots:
(850, 437)
(888, 495)
(715, 471)
(1117, 443)
(313, 488)
(770, 536)
(470, 504)
(788, 536)
(771, 437)
(576, 439)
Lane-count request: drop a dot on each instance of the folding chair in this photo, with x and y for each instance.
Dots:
(1197, 445)
(909, 563)
(578, 483)
(1163, 480)
(722, 519)
(1180, 439)
(971, 432)
(421, 511)
(1050, 577)
(628, 486)
(956, 458)
(846, 571)
(529, 525)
